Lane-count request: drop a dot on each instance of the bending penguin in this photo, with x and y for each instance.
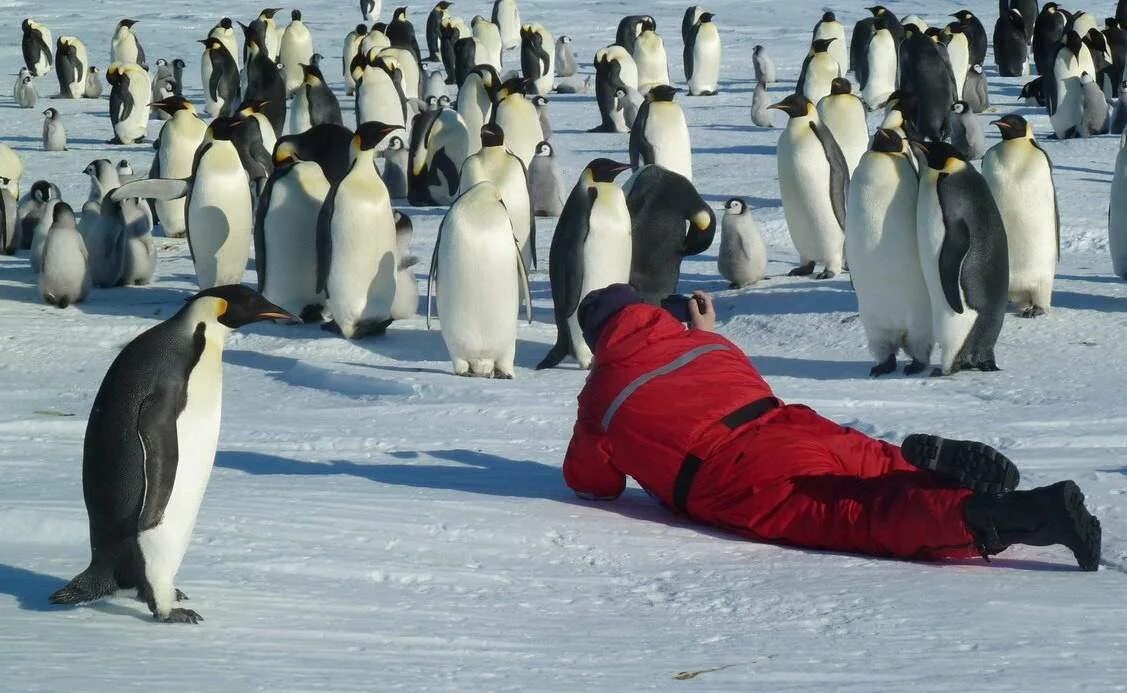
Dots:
(149, 449)
(130, 93)
(36, 47)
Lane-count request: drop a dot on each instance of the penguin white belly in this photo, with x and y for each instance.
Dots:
(882, 62)
(362, 275)
(296, 50)
(820, 74)
(178, 149)
(504, 172)
(77, 86)
(136, 125)
(668, 133)
(197, 433)
(299, 113)
(959, 52)
(219, 217)
(844, 115)
(488, 39)
(949, 329)
(508, 22)
(406, 303)
(65, 272)
(804, 181)
(1070, 98)
(291, 238)
(1117, 217)
(605, 256)
(706, 61)
(742, 258)
(377, 99)
(266, 131)
(652, 62)
(884, 258)
(124, 48)
(1021, 183)
(410, 68)
(475, 108)
(521, 123)
(213, 106)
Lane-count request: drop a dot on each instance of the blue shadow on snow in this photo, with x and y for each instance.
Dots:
(31, 589)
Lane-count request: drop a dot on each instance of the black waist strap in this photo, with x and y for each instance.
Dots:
(689, 468)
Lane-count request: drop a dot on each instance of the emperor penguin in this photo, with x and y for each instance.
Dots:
(742, 259)
(689, 20)
(138, 250)
(1096, 116)
(1048, 34)
(487, 42)
(958, 54)
(614, 70)
(975, 90)
(1020, 176)
(395, 168)
(313, 102)
(401, 33)
(370, 10)
(39, 235)
(1119, 115)
(224, 30)
(630, 28)
(406, 303)
(660, 134)
(36, 47)
(25, 93)
(1066, 91)
(11, 170)
(496, 164)
(844, 114)
(669, 221)
(829, 28)
(650, 57)
(104, 179)
(506, 16)
(813, 182)
(409, 65)
(760, 116)
(882, 65)
(125, 47)
(357, 257)
(9, 226)
(764, 66)
(545, 186)
(819, 70)
(439, 147)
(452, 32)
(220, 75)
(219, 208)
(71, 64)
(518, 117)
(591, 249)
(884, 257)
(537, 59)
(925, 72)
(480, 278)
(54, 134)
(176, 145)
(32, 209)
(1117, 213)
(434, 30)
(962, 244)
(295, 51)
(328, 145)
(93, 87)
(975, 34)
(565, 58)
(161, 91)
(285, 235)
(254, 139)
(702, 58)
(149, 449)
(265, 84)
(379, 94)
(1011, 51)
(65, 274)
(966, 132)
(630, 101)
(541, 104)
(129, 98)
(267, 34)
(351, 49)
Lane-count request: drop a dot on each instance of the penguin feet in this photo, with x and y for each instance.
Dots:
(312, 314)
(502, 375)
(802, 270)
(331, 326)
(937, 372)
(371, 328)
(987, 366)
(1031, 312)
(884, 367)
(180, 616)
(115, 140)
(915, 367)
(180, 596)
(825, 274)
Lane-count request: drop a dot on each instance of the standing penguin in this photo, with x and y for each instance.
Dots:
(884, 257)
(1020, 176)
(351, 49)
(545, 188)
(881, 66)
(54, 134)
(966, 132)
(224, 30)
(1048, 34)
(296, 49)
(406, 303)
(669, 221)
(1065, 90)
(958, 54)
(537, 59)
(819, 70)
(125, 47)
(487, 42)
(518, 117)
(844, 114)
(829, 28)
(506, 16)
(591, 249)
(1096, 118)
(401, 33)
(150, 446)
(313, 103)
(356, 249)
(220, 76)
(1117, 213)
(494, 163)
(39, 236)
(764, 66)
(161, 91)
(395, 168)
(480, 277)
(541, 104)
(65, 275)
(176, 147)
(813, 181)
(129, 98)
(565, 58)
(743, 257)
(975, 91)
(650, 57)
(1011, 52)
(434, 30)
(614, 69)
(265, 84)
(760, 116)
(36, 47)
(104, 179)
(379, 94)
(370, 9)
(9, 226)
(660, 134)
(32, 209)
(926, 73)
(71, 64)
(26, 95)
(975, 33)
(702, 58)
(138, 251)
(962, 244)
(93, 87)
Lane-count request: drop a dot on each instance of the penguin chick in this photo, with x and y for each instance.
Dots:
(764, 66)
(545, 188)
(966, 133)
(1095, 120)
(541, 105)
(394, 175)
(93, 88)
(760, 116)
(65, 272)
(630, 100)
(25, 93)
(54, 134)
(743, 256)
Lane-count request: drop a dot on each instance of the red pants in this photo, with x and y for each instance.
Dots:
(798, 478)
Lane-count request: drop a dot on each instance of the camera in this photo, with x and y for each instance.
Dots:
(678, 306)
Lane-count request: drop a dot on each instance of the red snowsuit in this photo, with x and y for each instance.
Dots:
(670, 407)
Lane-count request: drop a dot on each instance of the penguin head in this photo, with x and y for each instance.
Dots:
(795, 106)
(124, 167)
(444, 5)
(63, 215)
(221, 128)
(226, 23)
(492, 135)
(647, 24)
(887, 141)
(757, 50)
(400, 14)
(173, 104)
(539, 101)
(960, 107)
(516, 85)
(735, 206)
(41, 191)
(877, 10)
(369, 135)
(1095, 40)
(127, 23)
(663, 92)
(1012, 126)
(51, 113)
(211, 43)
(269, 12)
(941, 156)
(444, 101)
(1086, 78)
(1073, 42)
(236, 305)
(379, 28)
(963, 15)
(361, 30)
(708, 17)
(976, 68)
(565, 39)
(94, 168)
(544, 149)
(295, 16)
(829, 16)
(26, 79)
(604, 170)
(841, 85)
(396, 143)
(312, 75)
(161, 62)
(822, 45)
(179, 64)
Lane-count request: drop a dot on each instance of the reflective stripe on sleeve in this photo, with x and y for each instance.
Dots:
(683, 360)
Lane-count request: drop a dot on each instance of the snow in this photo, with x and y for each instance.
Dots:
(375, 523)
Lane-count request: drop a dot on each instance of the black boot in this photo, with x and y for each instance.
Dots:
(972, 465)
(1041, 517)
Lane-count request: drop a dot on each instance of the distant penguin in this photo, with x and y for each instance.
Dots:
(630, 102)
(401, 32)
(661, 135)
(26, 95)
(591, 249)
(520, 120)
(926, 73)
(439, 146)
(54, 134)
(1096, 114)
(669, 221)
(975, 34)
(630, 28)
(129, 99)
(104, 179)
(819, 71)
(764, 66)
(434, 30)
(545, 186)
(357, 258)
(742, 259)
(71, 64)
(496, 164)
(224, 30)
(395, 167)
(829, 28)
(125, 47)
(370, 10)
(1048, 34)
(966, 132)
(313, 103)
(760, 116)
(65, 275)
(1117, 214)
(1119, 120)
(32, 209)
(1020, 176)
(507, 18)
(844, 114)
(220, 76)
(958, 55)
(352, 43)
(962, 245)
(406, 303)
(176, 147)
(650, 57)
(1011, 51)
(576, 84)
(537, 58)
(150, 445)
(36, 46)
(265, 84)
(614, 69)
(541, 104)
(480, 279)
(266, 34)
(975, 91)
(296, 49)
(882, 64)
(565, 58)
(702, 58)
(884, 258)
(813, 182)
(161, 91)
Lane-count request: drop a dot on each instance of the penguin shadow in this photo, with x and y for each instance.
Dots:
(30, 588)
(1083, 169)
(755, 149)
(787, 296)
(141, 301)
(1094, 278)
(295, 373)
(1096, 302)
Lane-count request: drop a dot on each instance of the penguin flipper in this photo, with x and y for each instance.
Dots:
(1056, 205)
(687, 54)
(156, 429)
(259, 234)
(952, 254)
(839, 171)
(325, 242)
(445, 165)
(526, 290)
(432, 276)
(153, 189)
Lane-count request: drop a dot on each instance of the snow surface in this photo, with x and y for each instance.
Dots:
(375, 523)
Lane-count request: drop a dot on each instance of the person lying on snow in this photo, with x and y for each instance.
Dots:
(686, 414)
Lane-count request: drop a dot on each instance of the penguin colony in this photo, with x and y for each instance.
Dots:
(265, 166)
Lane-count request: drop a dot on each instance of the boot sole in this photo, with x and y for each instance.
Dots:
(1087, 533)
(972, 465)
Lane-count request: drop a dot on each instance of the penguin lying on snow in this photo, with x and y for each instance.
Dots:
(149, 449)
